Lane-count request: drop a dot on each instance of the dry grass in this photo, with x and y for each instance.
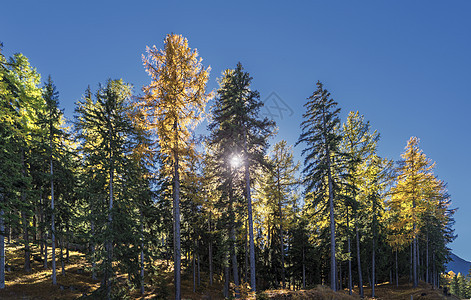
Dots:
(38, 283)
(384, 291)
(76, 282)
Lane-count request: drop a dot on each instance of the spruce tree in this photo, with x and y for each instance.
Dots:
(240, 136)
(321, 137)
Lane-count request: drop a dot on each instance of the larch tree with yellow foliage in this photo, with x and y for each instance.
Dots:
(414, 174)
(173, 104)
(278, 200)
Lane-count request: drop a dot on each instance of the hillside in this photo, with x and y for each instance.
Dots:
(458, 265)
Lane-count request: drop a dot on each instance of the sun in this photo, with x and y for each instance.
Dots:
(236, 161)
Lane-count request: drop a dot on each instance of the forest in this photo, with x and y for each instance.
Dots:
(130, 184)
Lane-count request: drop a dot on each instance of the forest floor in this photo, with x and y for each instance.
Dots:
(77, 282)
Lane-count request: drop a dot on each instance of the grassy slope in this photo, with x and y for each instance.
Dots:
(76, 282)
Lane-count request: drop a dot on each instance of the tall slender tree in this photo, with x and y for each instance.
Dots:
(415, 171)
(241, 136)
(173, 104)
(320, 134)
(358, 145)
(52, 120)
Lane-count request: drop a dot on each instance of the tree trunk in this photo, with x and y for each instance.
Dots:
(411, 267)
(45, 249)
(235, 268)
(27, 265)
(414, 261)
(210, 252)
(360, 277)
(419, 272)
(53, 229)
(414, 250)
(2, 250)
(246, 250)
(373, 261)
(67, 243)
(350, 287)
(142, 254)
(332, 229)
(304, 269)
(397, 272)
(226, 276)
(61, 243)
(198, 265)
(250, 219)
(194, 272)
(433, 269)
(176, 216)
(92, 250)
(282, 246)
(426, 263)
(373, 256)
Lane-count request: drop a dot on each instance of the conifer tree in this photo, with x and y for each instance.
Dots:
(106, 133)
(358, 146)
(173, 104)
(319, 134)
(241, 136)
(413, 174)
(51, 121)
(279, 199)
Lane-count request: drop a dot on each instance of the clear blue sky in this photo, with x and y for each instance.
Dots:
(405, 65)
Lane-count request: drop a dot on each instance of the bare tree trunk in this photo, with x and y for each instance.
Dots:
(142, 254)
(27, 265)
(414, 250)
(433, 269)
(61, 243)
(350, 287)
(373, 257)
(246, 277)
(92, 250)
(332, 230)
(35, 226)
(41, 224)
(411, 267)
(2, 248)
(250, 219)
(414, 261)
(304, 269)
(360, 277)
(282, 245)
(235, 267)
(427, 263)
(45, 249)
(210, 250)
(194, 272)
(373, 278)
(67, 243)
(53, 229)
(419, 272)
(198, 264)
(109, 243)
(176, 216)
(226, 276)
(397, 272)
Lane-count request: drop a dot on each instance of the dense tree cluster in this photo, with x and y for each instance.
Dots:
(459, 285)
(130, 184)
